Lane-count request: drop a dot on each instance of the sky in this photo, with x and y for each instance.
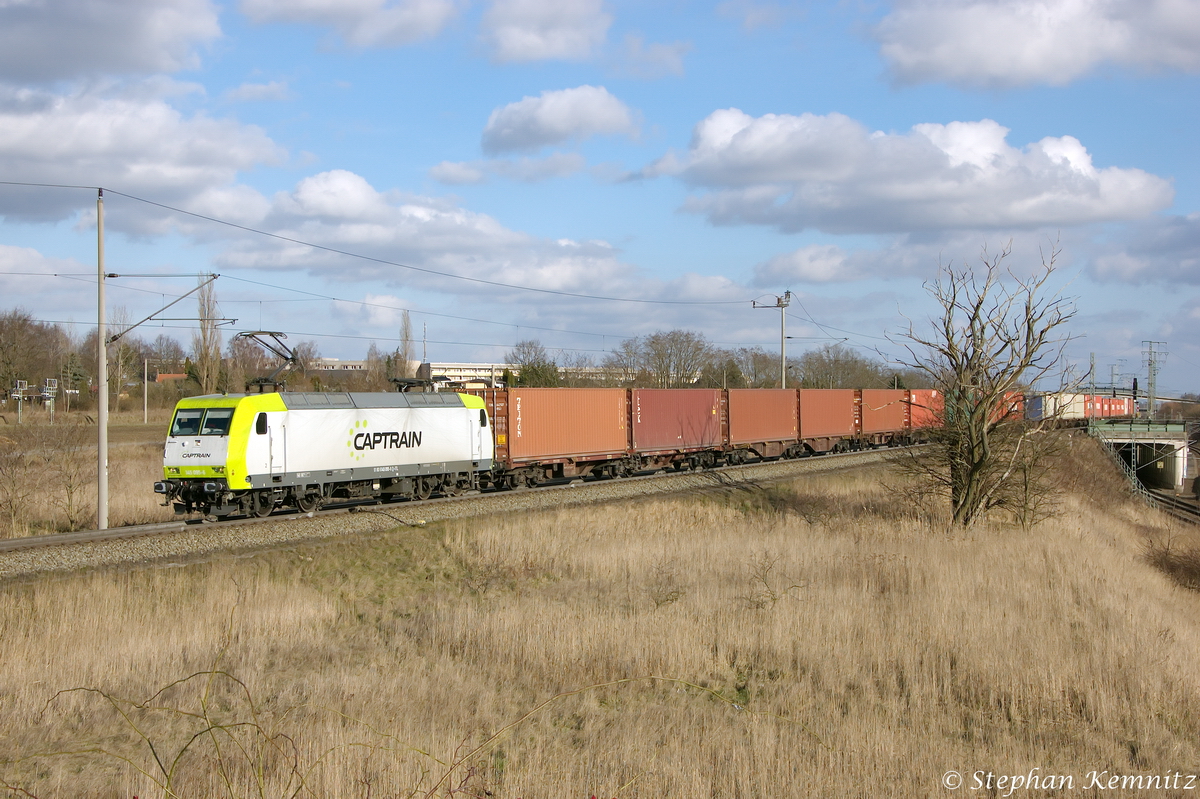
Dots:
(583, 171)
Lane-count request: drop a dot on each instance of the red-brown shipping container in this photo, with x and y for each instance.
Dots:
(763, 414)
(580, 423)
(883, 410)
(826, 412)
(1012, 407)
(926, 408)
(666, 419)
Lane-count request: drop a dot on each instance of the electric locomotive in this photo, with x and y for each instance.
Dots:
(251, 453)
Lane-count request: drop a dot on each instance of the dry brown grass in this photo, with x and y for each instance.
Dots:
(47, 474)
(814, 641)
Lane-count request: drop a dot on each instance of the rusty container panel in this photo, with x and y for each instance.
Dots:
(1014, 405)
(883, 410)
(566, 422)
(926, 408)
(826, 412)
(675, 418)
(763, 414)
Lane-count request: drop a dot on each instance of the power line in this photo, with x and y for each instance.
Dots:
(312, 296)
(370, 258)
(327, 335)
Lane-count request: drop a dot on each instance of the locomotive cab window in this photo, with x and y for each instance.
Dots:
(482, 418)
(216, 422)
(187, 422)
(260, 424)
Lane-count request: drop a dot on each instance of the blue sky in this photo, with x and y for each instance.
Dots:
(695, 155)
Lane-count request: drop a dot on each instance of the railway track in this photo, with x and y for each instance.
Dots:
(187, 540)
(1173, 505)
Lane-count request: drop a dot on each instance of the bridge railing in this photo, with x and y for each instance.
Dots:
(1130, 474)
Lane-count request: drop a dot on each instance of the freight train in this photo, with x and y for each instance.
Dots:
(249, 454)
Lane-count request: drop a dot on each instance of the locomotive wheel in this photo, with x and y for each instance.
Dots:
(422, 488)
(263, 505)
(308, 503)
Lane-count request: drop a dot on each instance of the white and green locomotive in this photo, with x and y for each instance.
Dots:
(251, 453)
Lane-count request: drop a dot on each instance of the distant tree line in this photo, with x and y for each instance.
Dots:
(685, 359)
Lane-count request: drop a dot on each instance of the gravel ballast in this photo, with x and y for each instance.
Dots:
(247, 536)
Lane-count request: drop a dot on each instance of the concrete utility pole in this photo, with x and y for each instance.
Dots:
(101, 374)
(781, 303)
(1152, 363)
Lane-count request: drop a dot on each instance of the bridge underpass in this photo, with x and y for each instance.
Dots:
(1162, 455)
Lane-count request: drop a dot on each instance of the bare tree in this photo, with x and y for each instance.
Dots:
(245, 359)
(534, 365)
(124, 357)
(167, 354)
(376, 377)
(400, 362)
(625, 362)
(838, 366)
(722, 371)
(206, 342)
(307, 355)
(576, 370)
(675, 358)
(759, 367)
(998, 333)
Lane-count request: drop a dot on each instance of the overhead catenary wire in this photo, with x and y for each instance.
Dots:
(373, 259)
(312, 296)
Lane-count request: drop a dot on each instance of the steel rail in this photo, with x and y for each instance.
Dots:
(1176, 506)
(137, 531)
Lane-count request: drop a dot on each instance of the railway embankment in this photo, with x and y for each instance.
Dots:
(175, 543)
(822, 636)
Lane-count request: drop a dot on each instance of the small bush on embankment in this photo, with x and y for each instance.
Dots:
(818, 640)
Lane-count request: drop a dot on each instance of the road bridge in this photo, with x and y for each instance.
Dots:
(1161, 454)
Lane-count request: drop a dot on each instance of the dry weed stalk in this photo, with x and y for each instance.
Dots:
(765, 588)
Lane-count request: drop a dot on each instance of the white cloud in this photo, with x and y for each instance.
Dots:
(831, 173)
(754, 15)
(132, 143)
(536, 30)
(259, 92)
(524, 170)
(50, 40)
(1020, 42)
(381, 312)
(340, 209)
(651, 61)
(361, 23)
(815, 263)
(556, 117)
(459, 173)
(27, 282)
(1157, 250)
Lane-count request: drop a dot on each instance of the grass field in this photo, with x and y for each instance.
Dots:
(47, 473)
(814, 639)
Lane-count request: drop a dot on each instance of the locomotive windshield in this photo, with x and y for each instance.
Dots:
(202, 422)
(216, 422)
(187, 422)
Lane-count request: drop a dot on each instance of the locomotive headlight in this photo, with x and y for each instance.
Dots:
(173, 469)
(219, 469)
